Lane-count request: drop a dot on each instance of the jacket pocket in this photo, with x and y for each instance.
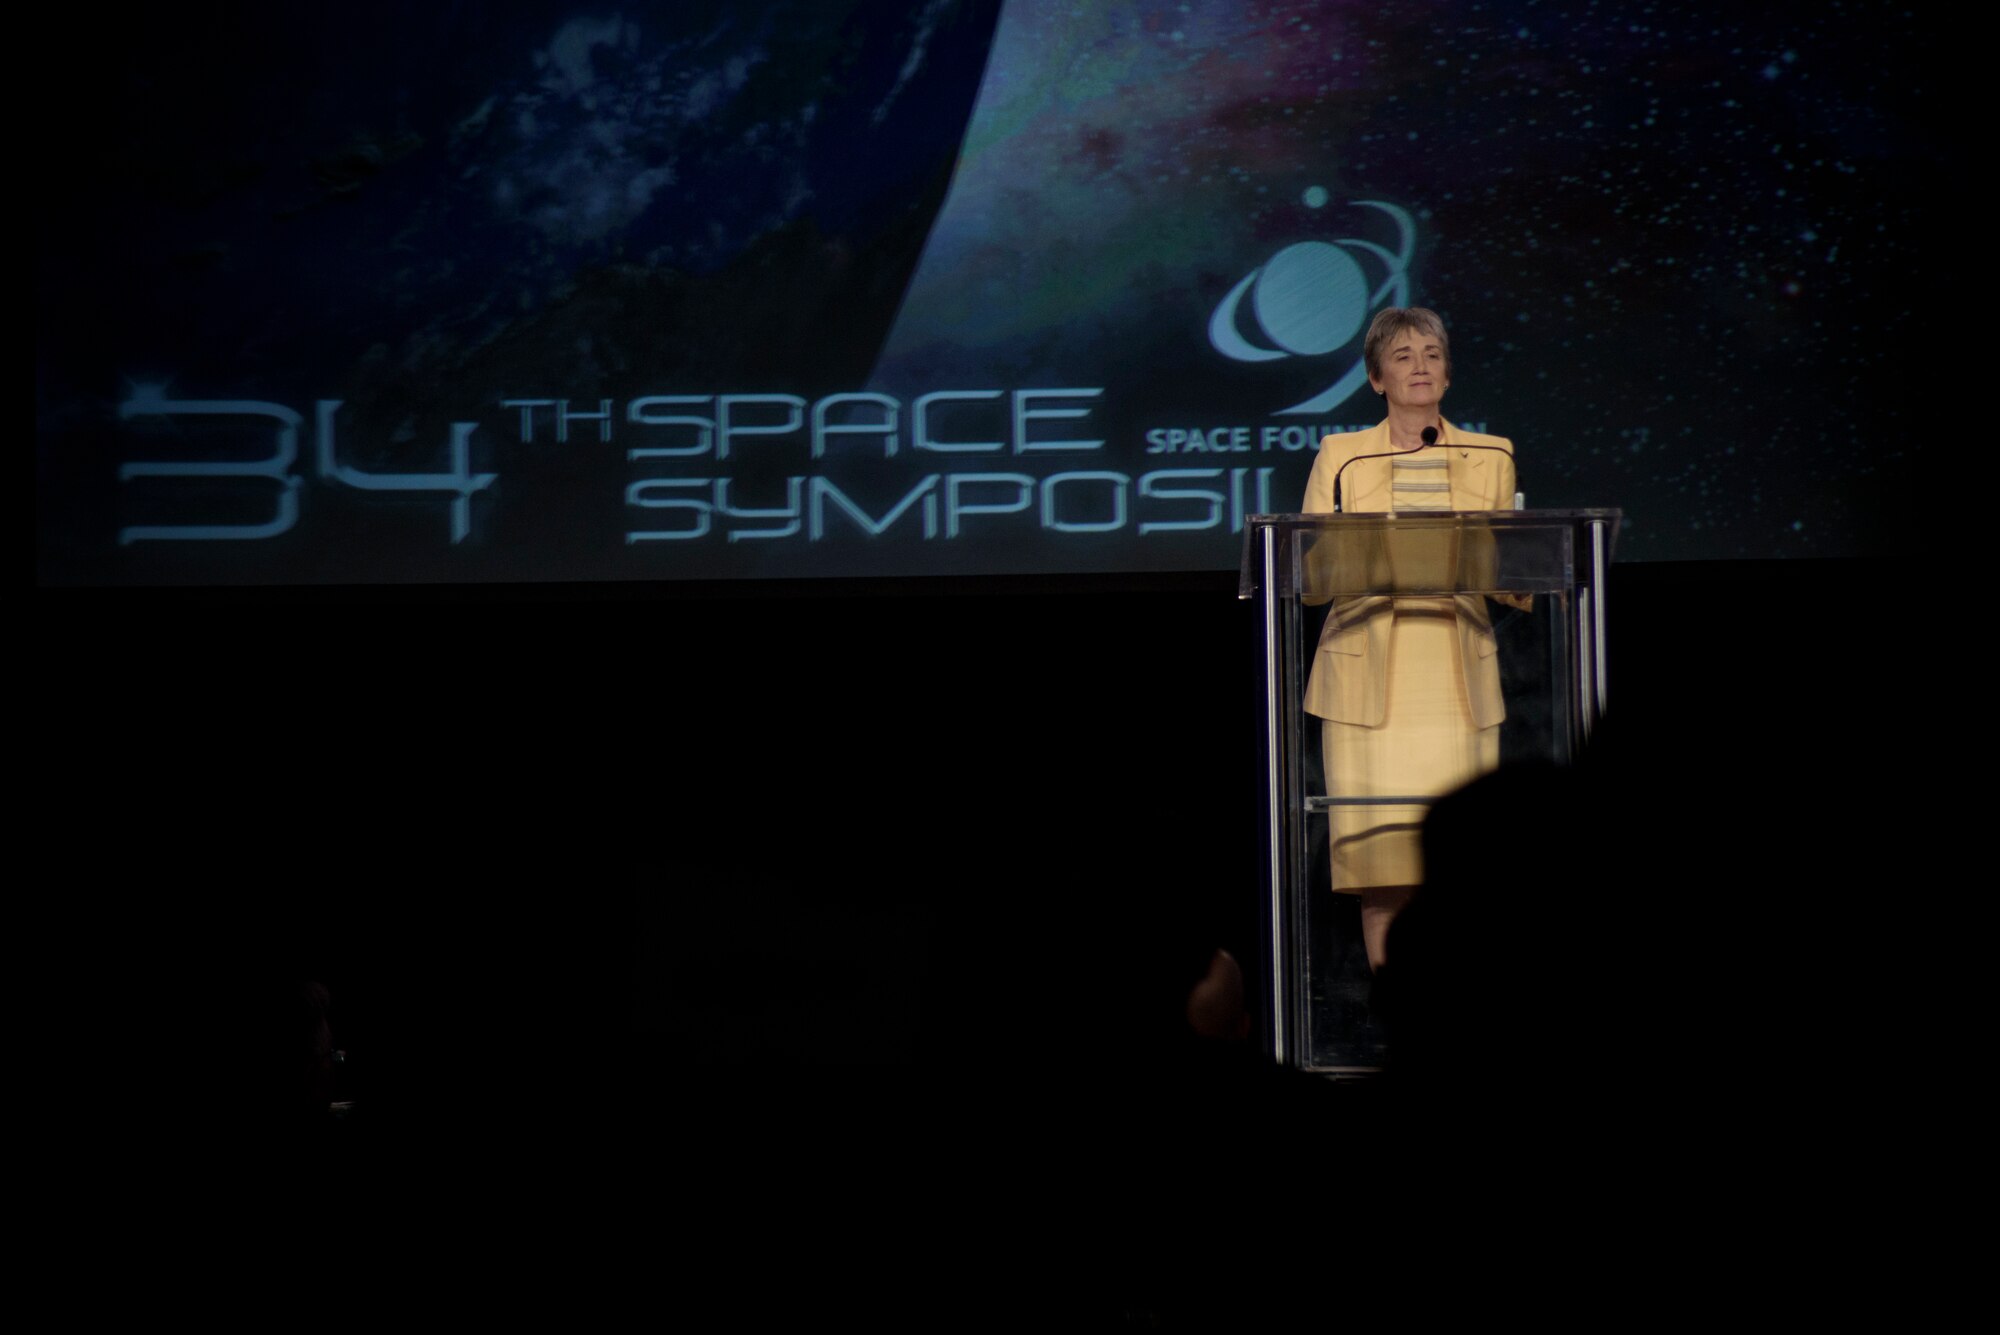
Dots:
(1346, 640)
(1346, 629)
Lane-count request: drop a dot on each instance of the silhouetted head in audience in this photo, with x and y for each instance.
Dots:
(1130, 980)
(1532, 958)
(1475, 988)
(287, 1050)
(1216, 1004)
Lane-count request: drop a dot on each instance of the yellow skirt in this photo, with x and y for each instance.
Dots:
(1425, 747)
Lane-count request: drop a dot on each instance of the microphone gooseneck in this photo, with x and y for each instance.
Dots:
(1430, 437)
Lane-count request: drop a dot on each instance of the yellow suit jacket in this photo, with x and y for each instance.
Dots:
(1350, 681)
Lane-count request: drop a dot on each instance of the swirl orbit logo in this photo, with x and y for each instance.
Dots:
(1312, 298)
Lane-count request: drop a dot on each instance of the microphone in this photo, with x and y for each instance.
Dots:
(1430, 438)
(1386, 454)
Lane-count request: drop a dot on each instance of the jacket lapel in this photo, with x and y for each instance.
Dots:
(1372, 477)
(1467, 469)
(1468, 479)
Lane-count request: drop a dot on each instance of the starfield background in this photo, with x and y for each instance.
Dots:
(1679, 250)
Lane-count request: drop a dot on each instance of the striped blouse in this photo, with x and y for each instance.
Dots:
(1419, 480)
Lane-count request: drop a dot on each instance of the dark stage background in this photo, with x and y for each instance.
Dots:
(498, 832)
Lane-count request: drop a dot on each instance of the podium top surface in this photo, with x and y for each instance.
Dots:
(1439, 551)
(1495, 518)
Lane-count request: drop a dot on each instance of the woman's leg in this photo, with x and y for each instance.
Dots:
(1379, 906)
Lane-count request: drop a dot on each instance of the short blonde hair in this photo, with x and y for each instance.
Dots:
(1391, 323)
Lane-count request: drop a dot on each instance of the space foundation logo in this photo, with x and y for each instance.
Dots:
(1312, 299)
(1308, 301)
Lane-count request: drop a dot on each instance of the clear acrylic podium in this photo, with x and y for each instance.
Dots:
(1549, 643)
